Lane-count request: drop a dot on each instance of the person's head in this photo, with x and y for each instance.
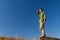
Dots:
(40, 10)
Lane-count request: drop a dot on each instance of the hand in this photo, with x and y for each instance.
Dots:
(44, 20)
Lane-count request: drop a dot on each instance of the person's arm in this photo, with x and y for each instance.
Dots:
(38, 13)
(44, 17)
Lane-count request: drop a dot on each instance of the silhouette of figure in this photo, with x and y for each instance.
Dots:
(42, 20)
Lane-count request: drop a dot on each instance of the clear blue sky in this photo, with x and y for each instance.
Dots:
(19, 16)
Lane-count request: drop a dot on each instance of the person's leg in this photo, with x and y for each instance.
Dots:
(43, 30)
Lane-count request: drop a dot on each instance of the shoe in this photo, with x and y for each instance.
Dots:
(43, 36)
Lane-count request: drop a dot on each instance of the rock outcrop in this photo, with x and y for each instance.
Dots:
(47, 38)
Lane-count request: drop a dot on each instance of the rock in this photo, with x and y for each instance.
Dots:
(47, 38)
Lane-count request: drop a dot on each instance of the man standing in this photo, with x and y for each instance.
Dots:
(42, 20)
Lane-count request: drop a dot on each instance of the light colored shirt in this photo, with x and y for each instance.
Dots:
(42, 16)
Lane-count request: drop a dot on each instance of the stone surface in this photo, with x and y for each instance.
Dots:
(47, 38)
